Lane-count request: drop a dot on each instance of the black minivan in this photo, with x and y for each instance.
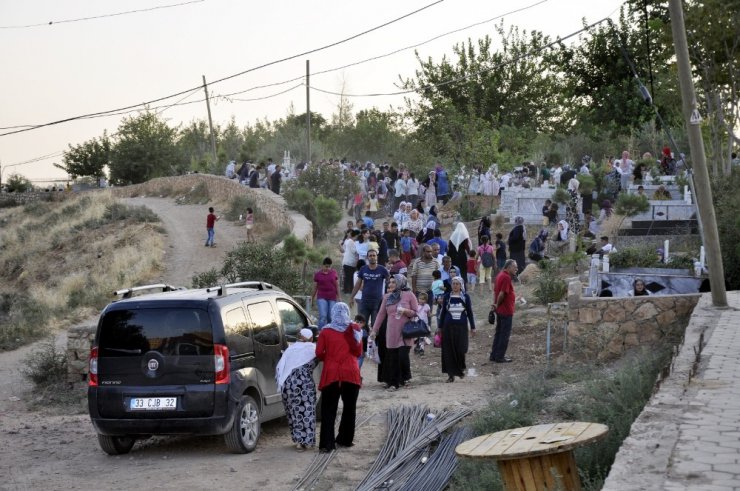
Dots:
(190, 362)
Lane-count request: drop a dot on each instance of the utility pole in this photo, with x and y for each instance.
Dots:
(696, 146)
(308, 112)
(210, 121)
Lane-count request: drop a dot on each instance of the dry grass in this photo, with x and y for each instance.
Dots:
(59, 262)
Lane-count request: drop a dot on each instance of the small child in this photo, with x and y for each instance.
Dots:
(372, 205)
(250, 224)
(438, 286)
(408, 247)
(422, 311)
(361, 321)
(472, 267)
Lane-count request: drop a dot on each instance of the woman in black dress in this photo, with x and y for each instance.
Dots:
(517, 243)
(454, 317)
(458, 247)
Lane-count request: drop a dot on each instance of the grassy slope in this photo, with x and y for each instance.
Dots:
(59, 261)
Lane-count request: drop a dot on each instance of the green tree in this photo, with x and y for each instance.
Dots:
(87, 159)
(194, 146)
(144, 149)
(18, 184)
(328, 214)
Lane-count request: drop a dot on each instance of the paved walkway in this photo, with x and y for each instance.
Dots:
(688, 437)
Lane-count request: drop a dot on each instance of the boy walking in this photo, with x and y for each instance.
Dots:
(210, 224)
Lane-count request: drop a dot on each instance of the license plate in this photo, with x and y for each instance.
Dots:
(152, 403)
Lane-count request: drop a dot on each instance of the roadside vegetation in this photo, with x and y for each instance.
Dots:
(613, 395)
(60, 261)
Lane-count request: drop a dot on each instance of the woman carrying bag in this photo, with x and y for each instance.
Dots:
(456, 314)
(398, 307)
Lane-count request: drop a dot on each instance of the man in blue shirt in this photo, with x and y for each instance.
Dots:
(438, 240)
(372, 278)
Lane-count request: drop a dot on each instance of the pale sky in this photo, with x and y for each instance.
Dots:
(63, 70)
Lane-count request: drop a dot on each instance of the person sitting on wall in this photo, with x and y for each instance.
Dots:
(662, 193)
(606, 248)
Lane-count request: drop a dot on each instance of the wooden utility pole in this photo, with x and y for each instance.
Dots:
(210, 122)
(308, 112)
(696, 146)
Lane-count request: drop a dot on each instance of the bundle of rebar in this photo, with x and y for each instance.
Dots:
(405, 457)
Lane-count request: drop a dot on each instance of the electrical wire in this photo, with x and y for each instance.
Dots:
(116, 14)
(470, 75)
(36, 159)
(396, 51)
(229, 77)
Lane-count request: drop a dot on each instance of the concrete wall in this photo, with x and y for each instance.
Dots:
(221, 188)
(605, 328)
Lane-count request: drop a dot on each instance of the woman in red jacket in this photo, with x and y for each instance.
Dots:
(339, 345)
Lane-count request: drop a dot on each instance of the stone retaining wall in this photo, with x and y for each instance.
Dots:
(606, 327)
(271, 204)
(79, 341)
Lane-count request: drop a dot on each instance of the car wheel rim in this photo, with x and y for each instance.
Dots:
(249, 424)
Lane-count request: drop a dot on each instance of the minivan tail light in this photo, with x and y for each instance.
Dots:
(221, 363)
(92, 365)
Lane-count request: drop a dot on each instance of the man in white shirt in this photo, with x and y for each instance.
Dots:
(400, 192)
(557, 172)
(349, 259)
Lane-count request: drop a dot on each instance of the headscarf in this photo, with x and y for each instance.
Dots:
(543, 234)
(395, 296)
(573, 185)
(297, 355)
(458, 279)
(339, 317)
(563, 234)
(606, 205)
(519, 221)
(433, 211)
(459, 236)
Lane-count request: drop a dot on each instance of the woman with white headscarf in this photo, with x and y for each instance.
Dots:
(517, 243)
(560, 241)
(398, 307)
(455, 315)
(294, 375)
(458, 248)
(430, 186)
(339, 346)
(399, 214)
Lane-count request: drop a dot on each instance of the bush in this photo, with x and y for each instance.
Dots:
(550, 288)
(560, 196)
(46, 366)
(629, 205)
(645, 256)
(18, 184)
(469, 210)
(328, 214)
(207, 278)
(727, 208)
(261, 262)
(327, 181)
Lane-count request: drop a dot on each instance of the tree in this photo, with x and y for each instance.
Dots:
(144, 149)
(18, 184)
(194, 146)
(87, 159)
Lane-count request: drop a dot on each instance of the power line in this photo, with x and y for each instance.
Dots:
(336, 43)
(455, 31)
(470, 75)
(66, 21)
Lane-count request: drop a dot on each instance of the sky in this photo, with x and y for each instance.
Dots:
(61, 70)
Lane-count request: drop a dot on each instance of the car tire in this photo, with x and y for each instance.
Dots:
(116, 445)
(245, 431)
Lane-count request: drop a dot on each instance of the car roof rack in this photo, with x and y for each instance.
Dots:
(259, 285)
(128, 292)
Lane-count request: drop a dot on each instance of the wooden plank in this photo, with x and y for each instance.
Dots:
(525, 470)
(506, 470)
(542, 473)
(525, 444)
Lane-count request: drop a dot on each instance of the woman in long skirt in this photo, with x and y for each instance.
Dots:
(456, 314)
(294, 374)
(399, 306)
(517, 243)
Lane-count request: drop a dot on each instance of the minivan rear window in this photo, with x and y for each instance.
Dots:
(178, 332)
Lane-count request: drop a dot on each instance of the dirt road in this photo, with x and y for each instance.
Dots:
(47, 450)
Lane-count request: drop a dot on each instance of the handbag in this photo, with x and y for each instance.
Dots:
(415, 328)
(372, 351)
(492, 316)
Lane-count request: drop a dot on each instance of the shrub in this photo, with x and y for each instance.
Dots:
(469, 210)
(254, 261)
(587, 184)
(549, 288)
(645, 256)
(302, 201)
(629, 205)
(46, 366)
(560, 196)
(727, 208)
(197, 195)
(328, 214)
(18, 184)
(323, 180)
(238, 206)
(206, 278)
